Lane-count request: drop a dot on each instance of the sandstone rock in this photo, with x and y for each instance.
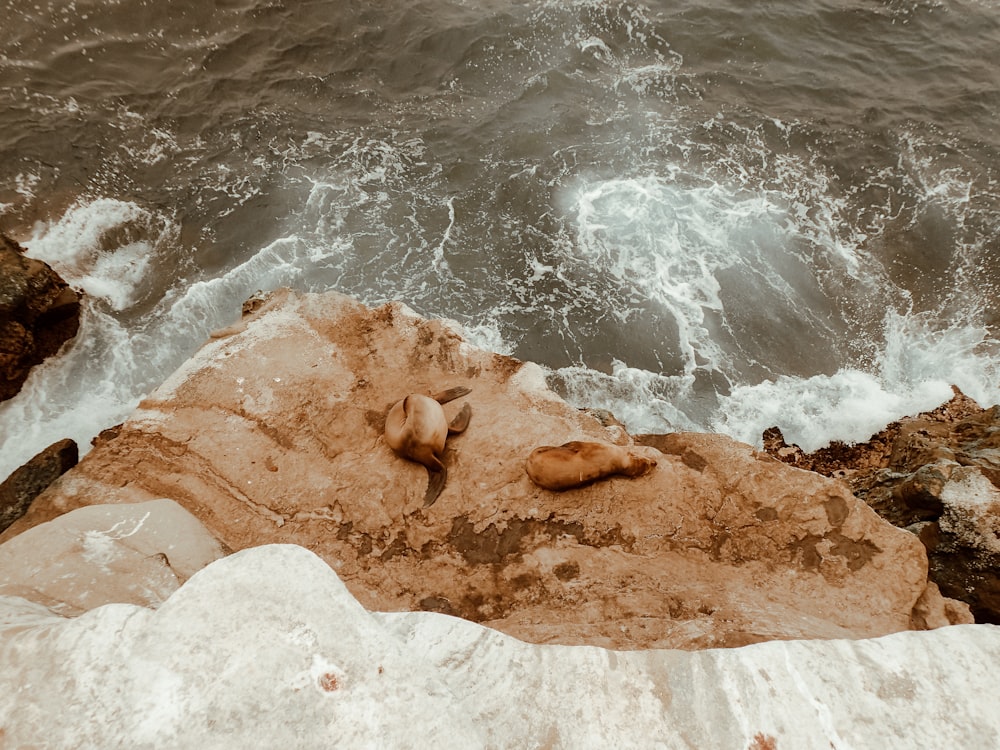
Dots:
(267, 648)
(272, 433)
(25, 483)
(936, 474)
(38, 313)
(128, 553)
(936, 611)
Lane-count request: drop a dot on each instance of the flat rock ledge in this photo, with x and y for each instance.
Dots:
(272, 433)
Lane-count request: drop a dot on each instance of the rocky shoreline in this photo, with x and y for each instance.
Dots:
(270, 440)
(937, 475)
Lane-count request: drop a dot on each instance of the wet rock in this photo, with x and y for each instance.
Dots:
(26, 483)
(273, 433)
(922, 490)
(38, 314)
(936, 474)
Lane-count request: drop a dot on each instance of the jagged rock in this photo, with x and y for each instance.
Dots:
(26, 483)
(267, 648)
(101, 554)
(936, 474)
(38, 314)
(272, 433)
(896, 444)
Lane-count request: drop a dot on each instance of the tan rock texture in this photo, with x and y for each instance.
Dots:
(272, 433)
(38, 314)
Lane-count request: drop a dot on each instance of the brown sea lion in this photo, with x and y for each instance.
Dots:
(578, 463)
(416, 428)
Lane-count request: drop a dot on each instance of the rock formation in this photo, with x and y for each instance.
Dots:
(937, 474)
(273, 433)
(26, 483)
(267, 648)
(38, 314)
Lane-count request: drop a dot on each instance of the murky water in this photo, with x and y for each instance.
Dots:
(709, 215)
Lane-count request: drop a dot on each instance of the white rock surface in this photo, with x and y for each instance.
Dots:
(268, 649)
(263, 649)
(972, 510)
(138, 553)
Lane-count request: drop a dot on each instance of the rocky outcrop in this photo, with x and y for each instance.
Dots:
(267, 648)
(272, 433)
(938, 475)
(38, 314)
(26, 483)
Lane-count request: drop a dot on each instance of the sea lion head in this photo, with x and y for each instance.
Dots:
(637, 465)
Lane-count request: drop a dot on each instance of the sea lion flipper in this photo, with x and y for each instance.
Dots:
(461, 420)
(451, 394)
(435, 483)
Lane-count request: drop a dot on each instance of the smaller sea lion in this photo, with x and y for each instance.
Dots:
(579, 463)
(416, 428)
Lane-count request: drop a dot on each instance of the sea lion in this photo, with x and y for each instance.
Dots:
(578, 463)
(416, 428)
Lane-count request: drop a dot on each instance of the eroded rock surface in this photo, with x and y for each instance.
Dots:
(272, 433)
(267, 648)
(937, 474)
(39, 312)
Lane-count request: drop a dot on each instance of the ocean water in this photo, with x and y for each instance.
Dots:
(710, 215)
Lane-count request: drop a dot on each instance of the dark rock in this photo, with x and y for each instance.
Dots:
(938, 475)
(38, 313)
(922, 489)
(106, 435)
(27, 482)
(962, 575)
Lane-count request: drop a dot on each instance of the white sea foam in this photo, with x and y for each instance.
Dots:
(849, 406)
(105, 247)
(80, 233)
(108, 249)
(682, 246)
(487, 336)
(643, 401)
(25, 184)
(90, 386)
(914, 372)
(116, 359)
(115, 276)
(687, 247)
